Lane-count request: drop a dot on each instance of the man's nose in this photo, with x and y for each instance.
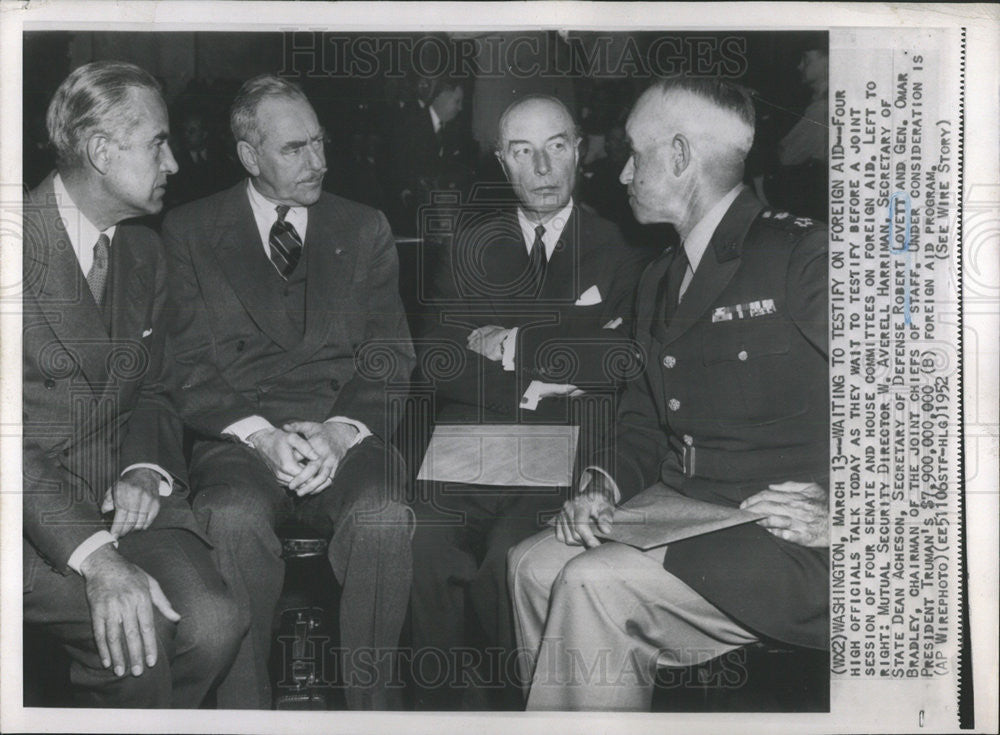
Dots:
(317, 156)
(625, 176)
(542, 163)
(169, 163)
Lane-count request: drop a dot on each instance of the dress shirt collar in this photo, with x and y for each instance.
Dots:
(82, 233)
(553, 228)
(701, 234)
(265, 215)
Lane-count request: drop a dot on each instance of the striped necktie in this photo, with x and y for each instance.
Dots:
(536, 259)
(285, 243)
(97, 276)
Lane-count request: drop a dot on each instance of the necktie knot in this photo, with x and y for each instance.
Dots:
(284, 243)
(539, 232)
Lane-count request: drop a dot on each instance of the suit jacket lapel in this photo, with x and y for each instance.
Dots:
(52, 276)
(241, 256)
(719, 263)
(330, 261)
(562, 274)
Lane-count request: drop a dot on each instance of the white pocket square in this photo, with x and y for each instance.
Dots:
(589, 297)
(146, 333)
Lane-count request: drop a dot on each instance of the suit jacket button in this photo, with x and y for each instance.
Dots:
(334, 384)
(50, 383)
(669, 361)
(241, 345)
(742, 355)
(673, 404)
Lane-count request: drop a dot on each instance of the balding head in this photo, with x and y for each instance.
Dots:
(537, 146)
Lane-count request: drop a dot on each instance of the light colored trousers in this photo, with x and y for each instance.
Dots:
(593, 625)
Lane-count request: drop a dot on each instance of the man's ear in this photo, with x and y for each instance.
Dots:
(99, 152)
(248, 157)
(681, 158)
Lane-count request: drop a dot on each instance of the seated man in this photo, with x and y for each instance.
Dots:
(541, 295)
(732, 410)
(136, 602)
(291, 340)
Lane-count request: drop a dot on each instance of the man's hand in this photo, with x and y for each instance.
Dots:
(488, 341)
(329, 441)
(593, 503)
(796, 511)
(136, 500)
(284, 452)
(121, 598)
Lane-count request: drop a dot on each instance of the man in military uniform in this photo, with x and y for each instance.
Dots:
(732, 410)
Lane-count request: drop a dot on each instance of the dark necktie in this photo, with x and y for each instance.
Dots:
(675, 276)
(286, 245)
(97, 276)
(536, 258)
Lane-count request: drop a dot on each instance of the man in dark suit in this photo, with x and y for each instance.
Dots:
(291, 341)
(537, 301)
(732, 410)
(115, 566)
(427, 152)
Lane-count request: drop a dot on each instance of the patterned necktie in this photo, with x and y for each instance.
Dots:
(286, 245)
(97, 276)
(675, 277)
(536, 259)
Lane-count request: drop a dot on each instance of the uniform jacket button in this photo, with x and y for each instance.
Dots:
(241, 345)
(669, 361)
(673, 404)
(688, 439)
(334, 384)
(50, 383)
(742, 355)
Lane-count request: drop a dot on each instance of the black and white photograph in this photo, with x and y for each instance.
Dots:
(489, 371)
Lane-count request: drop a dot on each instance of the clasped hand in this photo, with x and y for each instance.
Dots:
(304, 455)
(488, 341)
(795, 511)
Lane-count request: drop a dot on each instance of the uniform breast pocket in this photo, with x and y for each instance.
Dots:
(749, 373)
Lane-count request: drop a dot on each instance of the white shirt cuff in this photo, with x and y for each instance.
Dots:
(89, 546)
(363, 431)
(166, 481)
(508, 349)
(610, 481)
(245, 428)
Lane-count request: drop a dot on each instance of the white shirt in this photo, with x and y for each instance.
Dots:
(701, 234)
(265, 215)
(435, 120)
(553, 229)
(83, 235)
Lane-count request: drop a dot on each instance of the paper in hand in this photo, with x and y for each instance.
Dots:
(659, 516)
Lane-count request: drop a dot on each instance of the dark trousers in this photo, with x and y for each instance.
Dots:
(464, 650)
(240, 504)
(192, 653)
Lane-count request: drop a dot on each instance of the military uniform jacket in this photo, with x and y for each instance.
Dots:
(735, 397)
(94, 396)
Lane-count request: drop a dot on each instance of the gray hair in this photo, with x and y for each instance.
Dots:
(94, 99)
(505, 115)
(243, 115)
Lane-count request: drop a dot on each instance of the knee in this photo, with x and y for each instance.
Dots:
(588, 570)
(213, 627)
(523, 564)
(228, 511)
(378, 514)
